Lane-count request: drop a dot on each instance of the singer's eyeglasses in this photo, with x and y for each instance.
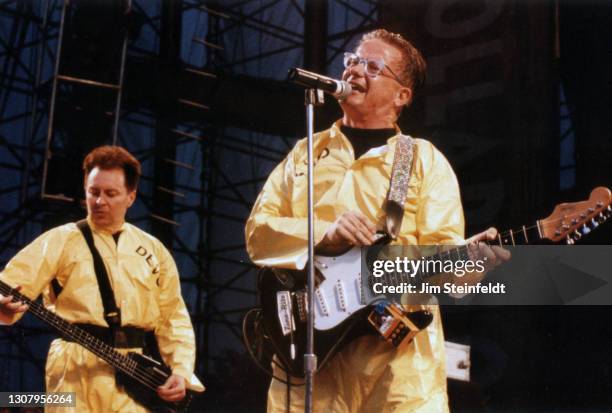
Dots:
(373, 67)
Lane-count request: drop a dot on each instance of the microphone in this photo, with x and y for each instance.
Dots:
(340, 89)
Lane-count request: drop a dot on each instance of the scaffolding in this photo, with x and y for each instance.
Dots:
(258, 39)
(184, 69)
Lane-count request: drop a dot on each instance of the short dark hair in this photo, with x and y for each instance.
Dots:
(114, 157)
(414, 67)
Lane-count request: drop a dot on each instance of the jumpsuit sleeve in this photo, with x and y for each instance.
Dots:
(440, 213)
(274, 236)
(34, 266)
(174, 333)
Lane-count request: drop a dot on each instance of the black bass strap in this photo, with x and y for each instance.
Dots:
(398, 189)
(112, 314)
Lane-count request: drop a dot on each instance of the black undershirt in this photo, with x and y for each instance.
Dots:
(363, 140)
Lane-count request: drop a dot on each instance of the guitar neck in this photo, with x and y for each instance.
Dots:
(72, 332)
(523, 236)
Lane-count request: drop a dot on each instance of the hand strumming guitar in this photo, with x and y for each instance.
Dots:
(351, 229)
(173, 390)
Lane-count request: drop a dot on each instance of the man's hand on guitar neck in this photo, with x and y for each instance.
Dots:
(8, 308)
(173, 390)
(351, 229)
(478, 249)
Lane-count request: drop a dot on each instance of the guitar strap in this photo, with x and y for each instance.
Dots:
(112, 314)
(398, 190)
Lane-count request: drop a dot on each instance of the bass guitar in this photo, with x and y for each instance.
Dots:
(140, 375)
(342, 297)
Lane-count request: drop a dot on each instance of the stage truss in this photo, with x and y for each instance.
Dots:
(202, 172)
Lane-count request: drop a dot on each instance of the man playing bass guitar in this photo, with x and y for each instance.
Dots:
(144, 282)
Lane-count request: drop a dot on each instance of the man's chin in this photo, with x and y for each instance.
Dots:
(100, 222)
(354, 99)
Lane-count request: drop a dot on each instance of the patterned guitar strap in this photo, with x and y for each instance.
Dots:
(398, 190)
(403, 162)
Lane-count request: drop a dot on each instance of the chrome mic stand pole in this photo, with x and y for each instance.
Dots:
(312, 97)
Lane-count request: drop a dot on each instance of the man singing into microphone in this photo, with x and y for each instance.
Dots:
(351, 182)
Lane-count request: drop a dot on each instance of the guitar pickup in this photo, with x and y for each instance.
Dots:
(322, 302)
(340, 296)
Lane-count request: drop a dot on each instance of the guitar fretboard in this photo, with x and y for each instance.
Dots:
(523, 236)
(74, 333)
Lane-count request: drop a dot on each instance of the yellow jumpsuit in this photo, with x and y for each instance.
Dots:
(146, 285)
(368, 375)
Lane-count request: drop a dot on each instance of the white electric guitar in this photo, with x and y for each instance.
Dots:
(343, 292)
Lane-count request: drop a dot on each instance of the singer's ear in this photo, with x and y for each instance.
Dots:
(404, 96)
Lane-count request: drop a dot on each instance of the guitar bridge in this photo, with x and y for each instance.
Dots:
(301, 297)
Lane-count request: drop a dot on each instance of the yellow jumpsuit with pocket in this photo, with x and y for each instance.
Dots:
(146, 286)
(368, 375)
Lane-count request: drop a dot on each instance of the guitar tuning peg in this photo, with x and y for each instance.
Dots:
(585, 229)
(594, 223)
(601, 218)
(576, 235)
(569, 240)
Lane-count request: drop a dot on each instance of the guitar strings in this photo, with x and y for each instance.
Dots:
(98, 346)
(463, 249)
(131, 367)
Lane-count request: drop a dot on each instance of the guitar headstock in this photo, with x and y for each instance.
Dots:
(571, 220)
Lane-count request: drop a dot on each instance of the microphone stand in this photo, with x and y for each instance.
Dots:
(313, 97)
